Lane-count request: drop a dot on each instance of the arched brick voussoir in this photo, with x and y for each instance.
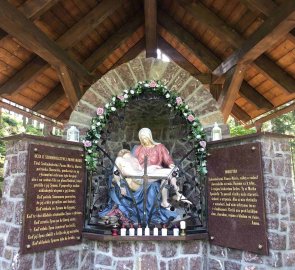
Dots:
(125, 75)
(157, 70)
(137, 69)
(113, 82)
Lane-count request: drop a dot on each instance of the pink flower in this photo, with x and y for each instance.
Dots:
(203, 144)
(120, 97)
(152, 84)
(178, 100)
(191, 118)
(100, 111)
(87, 143)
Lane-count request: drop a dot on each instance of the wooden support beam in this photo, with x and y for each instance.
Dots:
(266, 7)
(212, 21)
(131, 53)
(240, 114)
(275, 73)
(150, 15)
(114, 42)
(2, 34)
(24, 77)
(65, 115)
(30, 114)
(70, 84)
(249, 93)
(274, 114)
(215, 90)
(195, 46)
(270, 32)
(89, 22)
(49, 100)
(33, 9)
(16, 24)
(230, 90)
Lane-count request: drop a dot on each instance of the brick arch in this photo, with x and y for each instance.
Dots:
(177, 79)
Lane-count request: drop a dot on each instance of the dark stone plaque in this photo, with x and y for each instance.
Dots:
(53, 215)
(236, 198)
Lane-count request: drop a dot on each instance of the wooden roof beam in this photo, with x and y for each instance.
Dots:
(238, 113)
(270, 32)
(131, 53)
(249, 93)
(65, 115)
(266, 7)
(275, 73)
(37, 66)
(275, 114)
(230, 90)
(150, 15)
(195, 46)
(112, 43)
(16, 24)
(70, 84)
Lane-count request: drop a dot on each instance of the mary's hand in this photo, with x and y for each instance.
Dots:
(123, 191)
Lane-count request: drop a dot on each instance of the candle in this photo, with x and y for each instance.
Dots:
(182, 224)
(175, 231)
(147, 231)
(131, 230)
(123, 230)
(164, 231)
(156, 231)
(139, 230)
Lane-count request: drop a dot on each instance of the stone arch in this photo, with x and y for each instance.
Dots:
(192, 91)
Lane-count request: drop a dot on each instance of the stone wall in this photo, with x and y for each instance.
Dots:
(162, 255)
(127, 75)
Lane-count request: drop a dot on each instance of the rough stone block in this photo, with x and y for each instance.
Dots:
(169, 73)
(85, 108)
(163, 265)
(271, 182)
(289, 259)
(69, 259)
(196, 263)
(215, 264)
(22, 162)
(283, 205)
(13, 238)
(39, 260)
(234, 254)
(279, 166)
(157, 69)
(277, 241)
(167, 249)
(13, 164)
(137, 69)
(125, 75)
(253, 258)
(103, 259)
(177, 264)
(179, 80)
(228, 265)
(148, 262)
(50, 260)
(217, 251)
(291, 206)
(113, 82)
(274, 259)
(25, 262)
(17, 188)
(292, 236)
(272, 202)
(124, 264)
(273, 223)
(122, 249)
(148, 247)
(190, 247)
(103, 246)
(88, 262)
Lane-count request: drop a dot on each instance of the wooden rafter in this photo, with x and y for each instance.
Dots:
(230, 90)
(240, 114)
(70, 84)
(131, 54)
(114, 42)
(275, 114)
(65, 115)
(235, 40)
(249, 93)
(32, 70)
(271, 31)
(266, 7)
(16, 24)
(150, 15)
(195, 46)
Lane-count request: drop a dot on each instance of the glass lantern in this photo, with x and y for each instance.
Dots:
(73, 134)
(216, 133)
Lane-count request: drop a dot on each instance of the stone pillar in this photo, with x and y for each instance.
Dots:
(280, 209)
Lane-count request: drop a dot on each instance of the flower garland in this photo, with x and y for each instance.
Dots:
(198, 136)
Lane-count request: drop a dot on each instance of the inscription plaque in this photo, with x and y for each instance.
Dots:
(236, 212)
(53, 214)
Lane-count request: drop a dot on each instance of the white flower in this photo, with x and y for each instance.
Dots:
(89, 151)
(186, 106)
(101, 117)
(114, 99)
(194, 124)
(126, 91)
(113, 109)
(98, 123)
(125, 96)
(132, 92)
(169, 105)
(167, 95)
(107, 105)
(198, 136)
(92, 127)
(146, 85)
(185, 114)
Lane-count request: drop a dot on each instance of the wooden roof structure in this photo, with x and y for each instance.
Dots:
(51, 51)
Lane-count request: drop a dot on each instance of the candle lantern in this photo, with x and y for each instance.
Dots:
(73, 134)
